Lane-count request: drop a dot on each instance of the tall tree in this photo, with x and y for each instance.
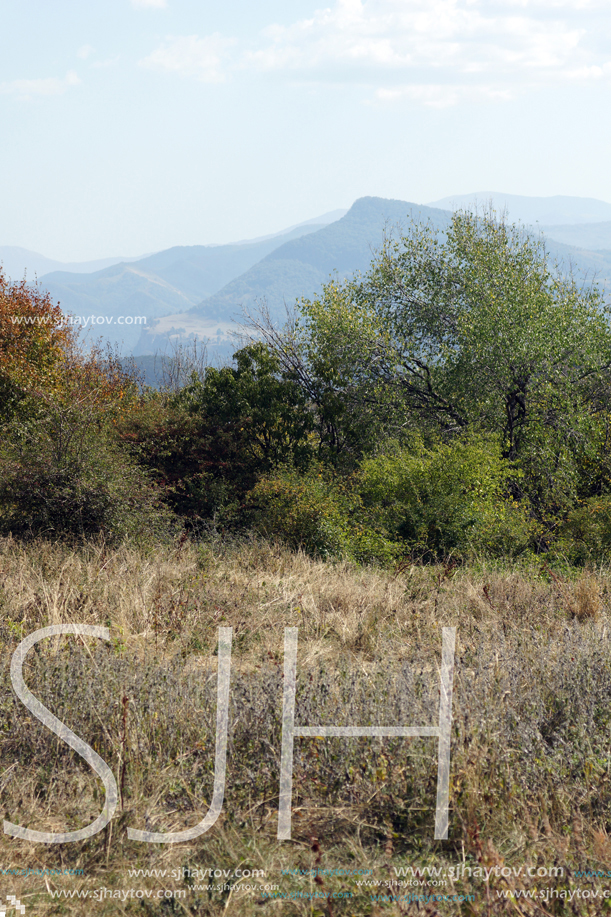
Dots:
(474, 328)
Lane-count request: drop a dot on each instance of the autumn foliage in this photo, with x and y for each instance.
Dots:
(40, 357)
(62, 473)
(34, 335)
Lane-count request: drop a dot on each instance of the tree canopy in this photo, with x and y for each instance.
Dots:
(34, 340)
(452, 400)
(472, 329)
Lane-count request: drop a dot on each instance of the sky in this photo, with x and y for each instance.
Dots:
(129, 126)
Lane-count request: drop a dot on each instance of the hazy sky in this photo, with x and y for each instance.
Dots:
(129, 126)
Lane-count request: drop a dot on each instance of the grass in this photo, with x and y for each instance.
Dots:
(531, 746)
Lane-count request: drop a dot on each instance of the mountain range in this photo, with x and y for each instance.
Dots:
(198, 291)
(19, 262)
(300, 266)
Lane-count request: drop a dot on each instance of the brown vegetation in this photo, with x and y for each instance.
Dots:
(530, 748)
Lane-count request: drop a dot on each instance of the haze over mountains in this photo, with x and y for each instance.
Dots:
(125, 296)
(549, 211)
(300, 266)
(172, 281)
(18, 261)
(198, 291)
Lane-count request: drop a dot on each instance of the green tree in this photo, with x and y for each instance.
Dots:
(473, 329)
(209, 442)
(324, 352)
(267, 411)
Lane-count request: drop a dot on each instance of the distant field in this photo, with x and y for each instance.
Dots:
(531, 748)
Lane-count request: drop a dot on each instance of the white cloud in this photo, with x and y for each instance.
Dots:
(411, 33)
(50, 86)
(85, 51)
(432, 52)
(594, 72)
(441, 95)
(570, 5)
(498, 45)
(190, 55)
(149, 4)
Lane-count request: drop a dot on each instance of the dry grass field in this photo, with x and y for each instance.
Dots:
(531, 742)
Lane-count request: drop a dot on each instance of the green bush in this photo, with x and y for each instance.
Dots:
(62, 475)
(585, 535)
(448, 499)
(304, 511)
(370, 546)
(208, 443)
(313, 512)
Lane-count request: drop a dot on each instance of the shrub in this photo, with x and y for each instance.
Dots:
(63, 475)
(200, 469)
(313, 512)
(585, 535)
(448, 499)
(303, 511)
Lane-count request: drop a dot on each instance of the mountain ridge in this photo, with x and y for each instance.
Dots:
(17, 262)
(196, 291)
(173, 280)
(299, 267)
